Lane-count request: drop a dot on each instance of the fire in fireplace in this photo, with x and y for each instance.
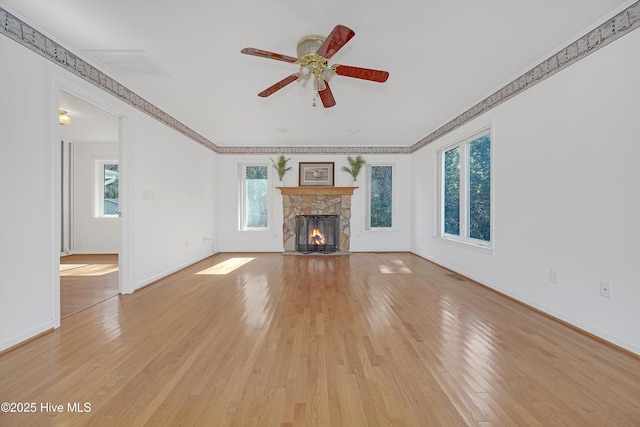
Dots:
(317, 233)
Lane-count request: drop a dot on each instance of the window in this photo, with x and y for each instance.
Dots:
(380, 196)
(466, 190)
(254, 197)
(107, 189)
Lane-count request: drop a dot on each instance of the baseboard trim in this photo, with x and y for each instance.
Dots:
(26, 341)
(146, 283)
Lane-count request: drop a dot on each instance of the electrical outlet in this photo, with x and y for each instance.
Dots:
(554, 275)
(605, 289)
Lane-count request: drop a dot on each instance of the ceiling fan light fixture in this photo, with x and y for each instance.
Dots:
(327, 73)
(64, 118)
(309, 44)
(320, 85)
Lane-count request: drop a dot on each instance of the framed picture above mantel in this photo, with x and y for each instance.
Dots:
(316, 174)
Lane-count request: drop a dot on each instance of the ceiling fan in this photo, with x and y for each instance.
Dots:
(314, 53)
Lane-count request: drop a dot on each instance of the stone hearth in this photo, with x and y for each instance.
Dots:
(316, 201)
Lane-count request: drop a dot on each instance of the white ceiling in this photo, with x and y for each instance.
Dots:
(443, 56)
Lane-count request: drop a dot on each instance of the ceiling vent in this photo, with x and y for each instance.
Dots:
(125, 62)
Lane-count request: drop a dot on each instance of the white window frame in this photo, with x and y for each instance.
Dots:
(98, 198)
(242, 208)
(394, 197)
(463, 238)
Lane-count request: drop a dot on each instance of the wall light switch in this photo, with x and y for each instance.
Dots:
(554, 275)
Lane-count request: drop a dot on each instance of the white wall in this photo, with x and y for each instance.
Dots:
(173, 193)
(91, 234)
(230, 239)
(28, 246)
(566, 176)
(168, 193)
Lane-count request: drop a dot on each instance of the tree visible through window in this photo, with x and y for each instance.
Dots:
(256, 196)
(111, 195)
(452, 191)
(480, 188)
(380, 198)
(466, 189)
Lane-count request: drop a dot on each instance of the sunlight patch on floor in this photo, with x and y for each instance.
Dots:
(396, 266)
(226, 267)
(87, 269)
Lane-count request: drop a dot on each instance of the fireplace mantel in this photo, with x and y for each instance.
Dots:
(316, 190)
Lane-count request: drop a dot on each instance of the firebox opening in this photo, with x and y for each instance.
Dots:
(317, 233)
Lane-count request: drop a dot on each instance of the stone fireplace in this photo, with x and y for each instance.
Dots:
(298, 201)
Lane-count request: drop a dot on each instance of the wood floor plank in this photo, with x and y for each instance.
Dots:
(362, 340)
(86, 280)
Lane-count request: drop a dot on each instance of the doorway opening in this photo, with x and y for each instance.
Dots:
(90, 213)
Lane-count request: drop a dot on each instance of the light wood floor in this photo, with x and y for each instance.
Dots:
(86, 280)
(272, 340)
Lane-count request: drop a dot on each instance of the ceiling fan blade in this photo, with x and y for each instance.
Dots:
(338, 37)
(327, 97)
(361, 73)
(269, 55)
(276, 87)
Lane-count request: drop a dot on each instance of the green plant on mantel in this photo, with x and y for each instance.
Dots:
(356, 164)
(281, 166)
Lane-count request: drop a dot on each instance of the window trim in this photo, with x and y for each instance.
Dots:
(98, 188)
(463, 240)
(394, 197)
(242, 211)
